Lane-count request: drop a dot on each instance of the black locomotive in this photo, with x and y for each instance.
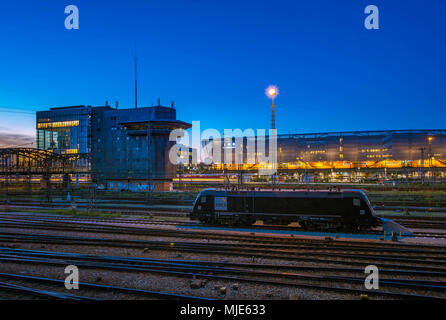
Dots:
(313, 210)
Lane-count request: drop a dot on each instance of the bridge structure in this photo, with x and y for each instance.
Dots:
(31, 161)
(26, 165)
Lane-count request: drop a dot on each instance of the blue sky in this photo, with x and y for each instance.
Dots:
(215, 59)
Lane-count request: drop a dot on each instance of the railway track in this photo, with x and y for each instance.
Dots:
(193, 270)
(419, 222)
(404, 259)
(182, 210)
(423, 225)
(417, 269)
(115, 220)
(46, 294)
(183, 224)
(125, 244)
(425, 251)
(162, 210)
(8, 222)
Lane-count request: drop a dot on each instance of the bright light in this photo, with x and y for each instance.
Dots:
(430, 139)
(60, 124)
(272, 91)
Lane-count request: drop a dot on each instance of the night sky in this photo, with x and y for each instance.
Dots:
(215, 59)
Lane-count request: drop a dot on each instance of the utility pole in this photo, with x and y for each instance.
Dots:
(149, 161)
(272, 92)
(227, 182)
(180, 169)
(8, 165)
(47, 176)
(29, 178)
(430, 159)
(422, 164)
(273, 112)
(93, 190)
(136, 84)
(240, 176)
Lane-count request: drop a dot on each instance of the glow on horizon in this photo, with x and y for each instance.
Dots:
(16, 125)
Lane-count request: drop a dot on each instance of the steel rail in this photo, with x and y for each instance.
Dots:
(217, 248)
(323, 247)
(123, 259)
(147, 221)
(4, 286)
(109, 220)
(114, 223)
(200, 267)
(189, 234)
(71, 240)
(106, 288)
(399, 219)
(257, 280)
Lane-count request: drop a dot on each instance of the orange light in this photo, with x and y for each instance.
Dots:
(60, 124)
(430, 139)
(272, 91)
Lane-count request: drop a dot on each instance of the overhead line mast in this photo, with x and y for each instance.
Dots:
(136, 83)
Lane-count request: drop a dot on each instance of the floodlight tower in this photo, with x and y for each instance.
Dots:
(271, 92)
(430, 158)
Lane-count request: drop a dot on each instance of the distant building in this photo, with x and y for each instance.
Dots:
(64, 130)
(362, 148)
(413, 153)
(127, 148)
(186, 155)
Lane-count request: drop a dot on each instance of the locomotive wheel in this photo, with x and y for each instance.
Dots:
(233, 223)
(311, 227)
(348, 228)
(364, 228)
(244, 223)
(213, 222)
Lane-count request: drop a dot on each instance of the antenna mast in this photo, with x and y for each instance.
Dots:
(273, 114)
(136, 83)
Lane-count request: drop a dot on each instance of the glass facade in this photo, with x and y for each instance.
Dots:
(64, 130)
(363, 149)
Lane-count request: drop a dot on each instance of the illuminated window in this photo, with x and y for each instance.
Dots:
(70, 151)
(59, 124)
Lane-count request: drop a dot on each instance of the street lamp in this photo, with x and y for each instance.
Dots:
(272, 92)
(430, 138)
